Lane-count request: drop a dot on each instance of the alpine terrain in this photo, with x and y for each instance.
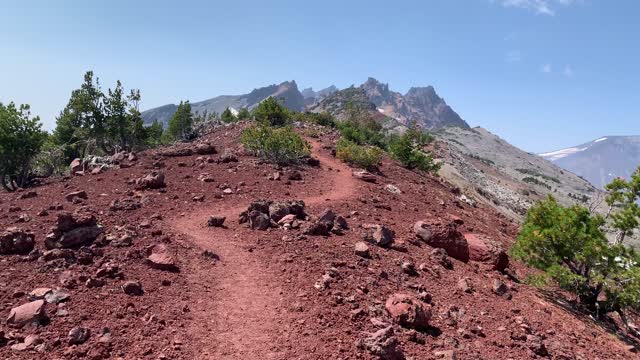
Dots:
(601, 160)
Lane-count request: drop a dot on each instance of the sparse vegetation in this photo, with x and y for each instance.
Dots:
(98, 122)
(363, 156)
(532, 180)
(569, 245)
(407, 149)
(623, 196)
(243, 114)
(280, 146)
(481, 159)
(579, 197)
(21, 138)
(227, 116)
(361, 129)
(323, 119)
(532, 172)
(271, 112)
(181, 122)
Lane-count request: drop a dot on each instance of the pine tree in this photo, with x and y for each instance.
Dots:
(181, 122)
(227, 116)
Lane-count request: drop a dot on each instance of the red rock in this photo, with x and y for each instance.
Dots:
(132, 288)
(364, 176)
(30, 341)
(39, 293)
(205, 149)
(76, 166)
(76, 195)
(445, 236)
(407, 311)
(16, 241)
(484, 249)
(32, 312)
(160, 259)
(73, 230)
(154, 180)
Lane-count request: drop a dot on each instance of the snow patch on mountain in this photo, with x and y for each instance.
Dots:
(555, 155)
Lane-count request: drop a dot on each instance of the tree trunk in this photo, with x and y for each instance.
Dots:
(625, 321)
(590, 297)
(3, 180)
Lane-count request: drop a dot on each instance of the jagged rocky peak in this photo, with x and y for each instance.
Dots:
(425, 91)
(377, 92)
(309, 93)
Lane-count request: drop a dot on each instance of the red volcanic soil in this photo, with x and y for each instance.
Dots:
(237, 293)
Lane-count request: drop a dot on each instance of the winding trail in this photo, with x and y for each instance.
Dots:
(238, 310)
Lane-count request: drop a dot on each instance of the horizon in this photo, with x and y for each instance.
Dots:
(536, 73)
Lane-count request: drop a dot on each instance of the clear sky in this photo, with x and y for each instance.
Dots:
(543, 74)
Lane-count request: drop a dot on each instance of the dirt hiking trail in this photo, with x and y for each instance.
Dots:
(241, 312)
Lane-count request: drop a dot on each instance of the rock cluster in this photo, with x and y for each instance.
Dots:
(153, 180)
(73, 230)
(467, 247)
(263, 214)
(325, 224)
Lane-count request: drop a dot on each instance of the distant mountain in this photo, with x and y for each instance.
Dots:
(309, 93)
(420, 105)
(337, 102)
(311, 97)
(601, 160)
(288, 91)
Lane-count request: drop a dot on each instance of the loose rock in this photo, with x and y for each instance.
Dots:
(16, 241)
(408, 311)
(32, 312)
(78, 335)
(216, 221)
(132, 288)
(361, 249)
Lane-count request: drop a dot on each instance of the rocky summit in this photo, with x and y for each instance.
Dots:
(148, 260)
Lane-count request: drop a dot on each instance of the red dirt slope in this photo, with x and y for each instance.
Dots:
(248, 294)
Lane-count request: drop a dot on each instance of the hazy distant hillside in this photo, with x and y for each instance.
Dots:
(601, 160)
(505, 175)
(288, 91)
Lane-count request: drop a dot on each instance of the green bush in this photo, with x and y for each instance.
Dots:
(407, 150)
(227, 116)
(570, 246)
(243, 114)
(280, 146)
(532, 180)
(21, 137)
(360, 128)
(366, 157)
(271, 112)
(322, 119)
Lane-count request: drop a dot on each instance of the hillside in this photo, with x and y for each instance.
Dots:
(287, 91)
(505, 176)
(601, 160)
(158, 282)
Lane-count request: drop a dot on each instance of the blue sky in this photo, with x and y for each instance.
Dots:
(543, 74)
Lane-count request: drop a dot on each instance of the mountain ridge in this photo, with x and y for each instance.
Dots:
(287, 90)
(601, 160)
(419, 105)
